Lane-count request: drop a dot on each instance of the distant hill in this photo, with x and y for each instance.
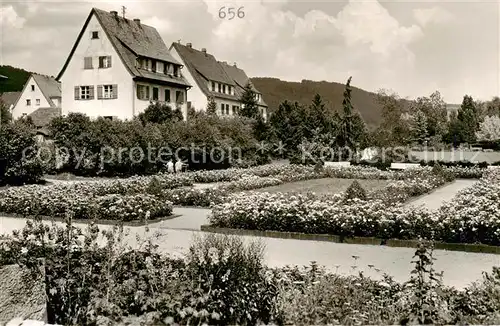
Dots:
(16, 79)
(274, 91)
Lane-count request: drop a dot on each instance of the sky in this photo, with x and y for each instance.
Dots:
(411, 48)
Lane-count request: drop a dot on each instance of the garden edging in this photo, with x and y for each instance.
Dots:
(465, 247)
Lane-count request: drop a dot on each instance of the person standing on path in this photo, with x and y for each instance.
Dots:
(170, 166)
(178, 166)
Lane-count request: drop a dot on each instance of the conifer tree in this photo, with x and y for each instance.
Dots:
(211, 106)
(248, 100)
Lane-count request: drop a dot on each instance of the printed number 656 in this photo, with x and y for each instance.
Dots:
(230, 12)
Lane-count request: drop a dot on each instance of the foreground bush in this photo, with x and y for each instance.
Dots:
(221, 280)
(18, 155)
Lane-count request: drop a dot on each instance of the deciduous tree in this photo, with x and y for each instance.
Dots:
(489, 129)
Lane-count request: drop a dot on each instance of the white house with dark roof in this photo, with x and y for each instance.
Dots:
(117, 67)
(39, 92)
(212, 78)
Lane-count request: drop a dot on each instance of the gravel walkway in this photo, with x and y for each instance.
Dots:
(435, 199)
(460, 268)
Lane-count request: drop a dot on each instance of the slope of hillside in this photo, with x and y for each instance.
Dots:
(16, 79)
(275, 91)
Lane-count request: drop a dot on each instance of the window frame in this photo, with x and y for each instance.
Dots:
(169, 100)
(157, 89)
(105, 59)
(94, 35)
(142, 90)
(28, 102)
(37, 102)
(32, 87)
(107, 91)
(85, 92)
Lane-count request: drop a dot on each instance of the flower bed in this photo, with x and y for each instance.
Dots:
(194, 197)
(109, 199)
(131, 207)
(472, 217)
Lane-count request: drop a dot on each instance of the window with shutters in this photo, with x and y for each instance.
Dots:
(155, 93)
(167, 96)
(105, 61)
(87, 63)
(86, 92)
(109, 91)
(142, 92)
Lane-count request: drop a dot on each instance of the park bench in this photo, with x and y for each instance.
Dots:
(337, 164)
(404, 166)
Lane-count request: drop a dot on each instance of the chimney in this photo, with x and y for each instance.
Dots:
(204, 50)
(137, 20)
(189, 45)
(234, 64)
(114, 13)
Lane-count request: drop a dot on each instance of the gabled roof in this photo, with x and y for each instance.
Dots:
(130, 39)
(49, 87)
(42, 116)
(204, 68)
(10, 98)
(241, 79)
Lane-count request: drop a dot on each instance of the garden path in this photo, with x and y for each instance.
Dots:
(460, 268)
(435, 199)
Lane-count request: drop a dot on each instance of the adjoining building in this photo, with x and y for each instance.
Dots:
(212, 78)
(39, 92)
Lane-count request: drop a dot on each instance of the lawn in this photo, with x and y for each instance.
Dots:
(325, 186)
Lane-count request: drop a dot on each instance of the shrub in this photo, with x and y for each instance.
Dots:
(447, 175)
(355, 191)
(18, 155)
(234, 277)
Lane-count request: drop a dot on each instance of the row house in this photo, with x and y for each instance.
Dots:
(211, 78)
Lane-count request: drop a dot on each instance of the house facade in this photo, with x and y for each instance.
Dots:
(39, 92)
(117, 67)
(212, 78)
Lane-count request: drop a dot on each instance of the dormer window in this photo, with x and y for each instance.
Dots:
(95, 35)
(176, 71)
